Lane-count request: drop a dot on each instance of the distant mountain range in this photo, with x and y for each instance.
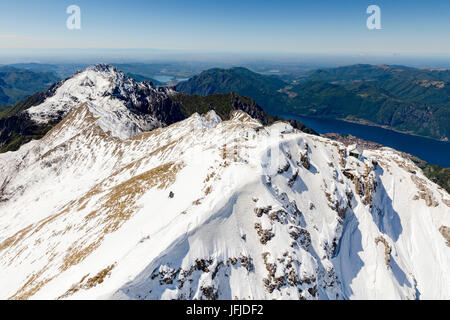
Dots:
(264, 89)
(411, 100)
(17, 84)
(146, 107)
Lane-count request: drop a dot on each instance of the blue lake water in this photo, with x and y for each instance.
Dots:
(432, 151)
(167, 78)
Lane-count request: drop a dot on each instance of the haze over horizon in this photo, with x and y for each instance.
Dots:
(283, 28)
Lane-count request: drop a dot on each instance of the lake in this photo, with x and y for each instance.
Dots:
(432, 151)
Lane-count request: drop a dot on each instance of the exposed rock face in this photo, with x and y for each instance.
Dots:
(424, 193)
(125, 107)
(387, 249)
(437, 174)
(445, 231)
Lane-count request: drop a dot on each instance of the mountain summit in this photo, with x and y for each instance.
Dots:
(212, 209)
(123, 106)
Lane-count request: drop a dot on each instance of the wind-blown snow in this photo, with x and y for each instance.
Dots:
(209, 209)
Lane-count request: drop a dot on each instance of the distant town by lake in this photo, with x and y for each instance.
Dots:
(429, 150)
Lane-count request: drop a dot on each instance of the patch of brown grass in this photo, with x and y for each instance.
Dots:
(31, 286)
(118, 205)
(16, 238)
(89, 283)
(76, 254)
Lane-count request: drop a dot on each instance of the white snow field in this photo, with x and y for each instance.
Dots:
(212, 209)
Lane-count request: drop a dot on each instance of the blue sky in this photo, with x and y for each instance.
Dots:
(283, 26)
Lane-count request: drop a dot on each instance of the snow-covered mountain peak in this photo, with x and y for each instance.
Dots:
(208, 120)
(121, 103)
(231, 210)
(102, 67)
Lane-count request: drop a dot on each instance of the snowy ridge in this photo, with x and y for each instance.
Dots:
(213, 209)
